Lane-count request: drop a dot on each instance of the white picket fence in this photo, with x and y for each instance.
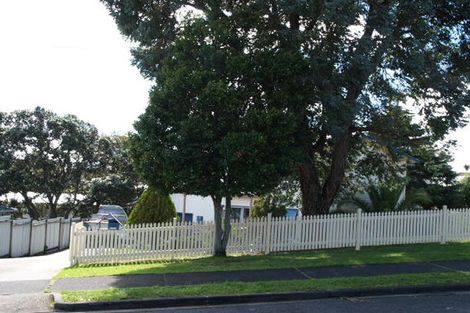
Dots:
(22, 237)
(265, 235)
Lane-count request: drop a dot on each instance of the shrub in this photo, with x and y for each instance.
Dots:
(268, 204)
(153, 207)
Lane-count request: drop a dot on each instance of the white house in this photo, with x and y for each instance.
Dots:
(199, 209)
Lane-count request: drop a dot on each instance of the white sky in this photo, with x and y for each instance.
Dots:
(69, 57)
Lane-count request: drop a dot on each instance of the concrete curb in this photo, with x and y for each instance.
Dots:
(60, 305)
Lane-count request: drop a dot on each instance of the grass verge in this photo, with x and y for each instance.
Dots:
(319, 258)
(237, 288)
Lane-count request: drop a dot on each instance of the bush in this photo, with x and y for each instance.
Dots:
(153, 207)
(268, 204)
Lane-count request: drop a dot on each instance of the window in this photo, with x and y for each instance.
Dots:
(188, 217)
(292, 213)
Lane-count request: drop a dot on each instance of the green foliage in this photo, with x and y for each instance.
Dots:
(113, 154)
(336, 68)
(387, 153)
(46, 156)
(388, 198)
(277, 201)
(153, 206)
(207, 133)
(416, 157)
(111, 180)
(465, 191)
(44, 153)
(112, 189)
(267, 204)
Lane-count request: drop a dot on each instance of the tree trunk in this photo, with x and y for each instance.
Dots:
(317, 199)
(32, 210)
(227, 224)
(52, 210)
(54, 205)
(218, 211)
(337, 170)
(309, 185)
(222, 234)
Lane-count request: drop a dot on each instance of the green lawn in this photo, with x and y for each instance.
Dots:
(234, 288)
(367, 255)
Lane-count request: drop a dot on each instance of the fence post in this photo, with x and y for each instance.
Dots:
(11, 237)
(60, 234)
(70, 232)
(358, 229)
(30, 235)
(72, 245)
(298, 229)
(267, 247)
(173, 238)
(444, 221)
(45, 237)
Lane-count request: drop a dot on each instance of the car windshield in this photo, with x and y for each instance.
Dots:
(115, 211)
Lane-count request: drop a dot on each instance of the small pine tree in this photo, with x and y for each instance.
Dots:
(153, 207)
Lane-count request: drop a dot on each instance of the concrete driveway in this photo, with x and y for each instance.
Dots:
(33, 268)
(23, 280)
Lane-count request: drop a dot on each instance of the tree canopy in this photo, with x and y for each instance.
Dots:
(337, 67)
(112, 189)
(62, 161)
(43, 154)
(204, 134)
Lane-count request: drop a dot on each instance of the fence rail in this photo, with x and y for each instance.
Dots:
(267, 234)
(22, 237)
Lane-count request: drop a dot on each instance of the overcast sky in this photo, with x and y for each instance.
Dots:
(69, 57)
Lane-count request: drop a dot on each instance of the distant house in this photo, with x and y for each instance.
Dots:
(198, 209)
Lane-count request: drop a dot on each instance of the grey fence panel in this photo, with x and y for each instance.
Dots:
(65, 233)
(38, 237)
(20, 238)
(24, 237)
(52, 236)
(5, 232)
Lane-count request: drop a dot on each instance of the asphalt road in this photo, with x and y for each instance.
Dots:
(430, 303)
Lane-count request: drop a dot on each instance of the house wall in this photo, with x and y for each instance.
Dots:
(197, 205)
(203, 206)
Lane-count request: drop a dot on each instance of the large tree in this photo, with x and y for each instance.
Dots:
(204, 134)
(337, 66)
(44, 155)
